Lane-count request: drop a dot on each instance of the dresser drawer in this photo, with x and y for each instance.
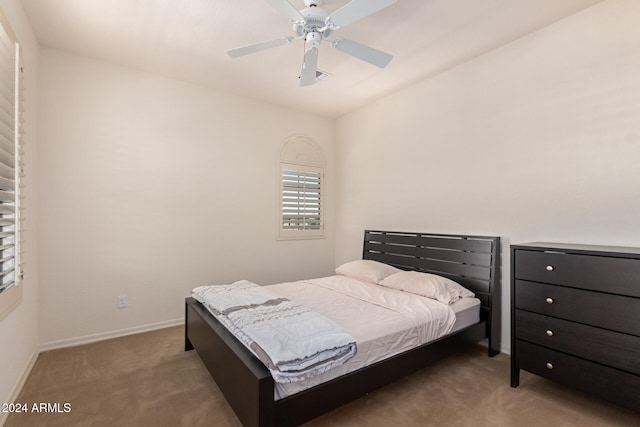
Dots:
(613, 312)
(610, 348)
(611, 384)
(606, 274)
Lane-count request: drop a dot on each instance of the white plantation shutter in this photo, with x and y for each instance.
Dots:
(10, 160)
(301, 206)
(301, 198)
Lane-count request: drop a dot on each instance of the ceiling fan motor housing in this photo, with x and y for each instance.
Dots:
(314, 19)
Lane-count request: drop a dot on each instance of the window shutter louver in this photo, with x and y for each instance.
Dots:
(10, 162)
(301, 206)
(301, 201)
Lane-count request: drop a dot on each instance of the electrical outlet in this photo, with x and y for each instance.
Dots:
(122, 301)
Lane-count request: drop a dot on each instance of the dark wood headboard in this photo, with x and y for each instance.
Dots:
(472, 261)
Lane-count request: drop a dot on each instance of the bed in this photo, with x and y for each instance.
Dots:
(472, 261)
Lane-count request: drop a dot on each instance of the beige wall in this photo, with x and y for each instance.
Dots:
(19, 330)
(150, 187)
(538, 140)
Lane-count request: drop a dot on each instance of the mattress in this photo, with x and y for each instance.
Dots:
(384, 321)
(467, 311)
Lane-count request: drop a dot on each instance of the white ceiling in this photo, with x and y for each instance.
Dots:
(187, 40)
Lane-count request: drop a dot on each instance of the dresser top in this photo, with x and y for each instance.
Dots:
(581, 249)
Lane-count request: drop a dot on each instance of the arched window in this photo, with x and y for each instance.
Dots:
(300, 191)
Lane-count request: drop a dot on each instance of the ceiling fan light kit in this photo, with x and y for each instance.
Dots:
(314, 24)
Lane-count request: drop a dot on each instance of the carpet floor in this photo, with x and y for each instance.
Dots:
(148, 380)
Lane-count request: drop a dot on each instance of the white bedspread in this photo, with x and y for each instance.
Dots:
(294, 342)
(383, 321)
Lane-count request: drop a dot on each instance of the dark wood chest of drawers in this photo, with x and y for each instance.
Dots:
(575, 318)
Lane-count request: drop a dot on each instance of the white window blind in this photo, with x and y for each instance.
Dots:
(301, 201)
(11, 167)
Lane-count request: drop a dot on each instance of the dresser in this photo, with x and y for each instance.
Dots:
(575, 318)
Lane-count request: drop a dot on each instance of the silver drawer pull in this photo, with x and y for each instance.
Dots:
(549, 267)
(549, 300)
(549, 365)
(549, 333)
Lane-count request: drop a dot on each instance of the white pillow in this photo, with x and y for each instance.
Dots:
(427, 285)
(367, 270)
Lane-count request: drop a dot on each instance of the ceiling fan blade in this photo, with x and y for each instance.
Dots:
(257, 47)
(368, 54)
(356, 10)
(309, 67)
(286, 8)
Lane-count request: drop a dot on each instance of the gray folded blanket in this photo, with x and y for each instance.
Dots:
(294, 342)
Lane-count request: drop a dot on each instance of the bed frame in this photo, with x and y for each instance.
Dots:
(472, 261)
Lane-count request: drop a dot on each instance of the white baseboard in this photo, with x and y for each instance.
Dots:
(17, 388)
(86, 339)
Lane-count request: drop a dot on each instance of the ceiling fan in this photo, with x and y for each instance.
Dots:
(314, 24)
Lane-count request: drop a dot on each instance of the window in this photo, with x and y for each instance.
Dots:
(10, 169)
(301, 197)
(301, 208)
